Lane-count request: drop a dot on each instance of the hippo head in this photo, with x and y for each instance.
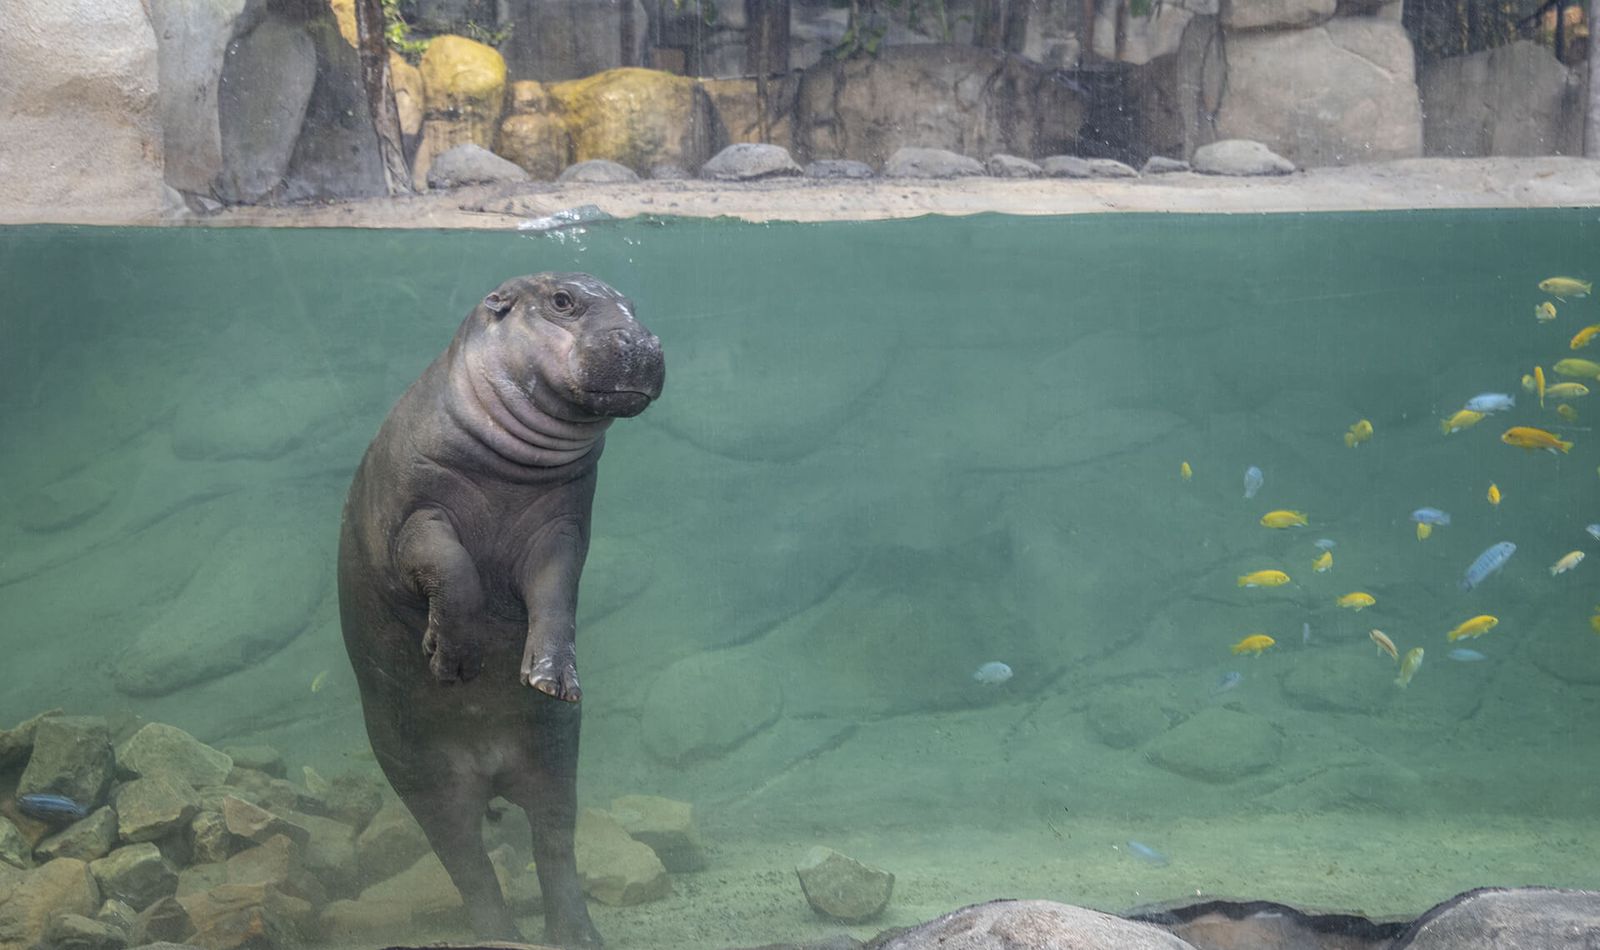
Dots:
(571, 344)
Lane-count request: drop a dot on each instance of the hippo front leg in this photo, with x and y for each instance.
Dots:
(550, 590)
(430, 556)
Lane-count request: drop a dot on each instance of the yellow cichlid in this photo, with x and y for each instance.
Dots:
(1424, 531)
(1527, 437)
(1284, 519)
(1324, 562)
(1385, 645)
(1463, 419)
(1409, 667)
(1566, 391)
(1567, 413)
(319, 681)
(1594, 622)
(1585, 336)
(1563, 287)
(1583, 369)
(1568, 561)
(1185, 472)
(1545, 312)
(1471, 629)
(1253, 644)
(1358, 433)
(1527, 382)
(1263, 579)
(1538, 384)
(1494, 494)
(1356, 600)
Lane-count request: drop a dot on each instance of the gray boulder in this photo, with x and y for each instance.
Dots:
(1240, 157)
(1008, 924)
(1504, 919)
(158, 747)
(72, 757)
(263, 87)
(471, 164)
(597, 171)
(832, 168)
(842, 888)
(137, 875)
(912, 162)
(1110, 168)
(1516, 99)
(1066, 166)
(1162, 165)
(1010, 166)
(749, 161)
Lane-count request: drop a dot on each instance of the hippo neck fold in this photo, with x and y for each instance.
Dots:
(497, 414)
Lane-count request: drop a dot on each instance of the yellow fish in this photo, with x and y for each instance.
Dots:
(1527, 437)
(1324, 563)
(1583, 369)
(1284, 519)
(1494, 494)
(1185, 472)
(1358, 433)
(1585, 336)
(1563, 287)
(1424, 531)
(1263, 579)
(1253, 644)
(1471, 629)
(1385, 645)
(1463, 419)
(1567, 413)
(1357, 600)
(1545, 312)
(319, 681)
(1527, 382)
(1409, 667)
(1568, 561)
(1538, 384)
(1567, 391)
(1594, 622)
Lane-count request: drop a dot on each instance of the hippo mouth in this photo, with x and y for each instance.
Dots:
(618, 403)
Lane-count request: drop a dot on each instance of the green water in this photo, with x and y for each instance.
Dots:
(886, 454)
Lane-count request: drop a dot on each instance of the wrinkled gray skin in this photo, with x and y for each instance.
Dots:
(464, 534)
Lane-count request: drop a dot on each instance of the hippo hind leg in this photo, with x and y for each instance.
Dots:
(451, 815)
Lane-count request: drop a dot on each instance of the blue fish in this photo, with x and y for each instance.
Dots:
(1464, 655)
(1325, 544)
(1146, 853)
(1491, 560)
(1431, 516)
(1253, 480)
(992, 673)
(1227, 681)
(55, 809)
(1491, 402)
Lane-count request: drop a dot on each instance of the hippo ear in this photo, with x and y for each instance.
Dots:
(497, 304)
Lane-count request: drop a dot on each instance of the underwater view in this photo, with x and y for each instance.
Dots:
(1112, 560)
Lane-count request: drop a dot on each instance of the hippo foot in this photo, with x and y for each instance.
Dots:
(553, 678)
(451, 660)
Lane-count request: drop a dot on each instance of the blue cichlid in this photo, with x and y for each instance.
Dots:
(1227, 681)
(1431, 516)
(1492, 559)
(1491, 402)
(1253, 480)
(1464, 655)
(56, 809)
(1146, 853)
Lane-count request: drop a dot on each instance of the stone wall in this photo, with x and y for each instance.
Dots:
(1514, 100)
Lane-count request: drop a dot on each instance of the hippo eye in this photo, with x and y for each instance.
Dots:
(562, 301)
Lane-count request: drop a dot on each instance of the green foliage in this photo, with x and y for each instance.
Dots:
(397, 33)
(477, 31)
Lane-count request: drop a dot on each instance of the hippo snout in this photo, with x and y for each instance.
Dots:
(624, 371)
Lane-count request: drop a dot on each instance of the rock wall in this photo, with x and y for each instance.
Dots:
(1514, 100)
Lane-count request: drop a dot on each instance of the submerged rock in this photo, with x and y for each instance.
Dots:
(72, 757)
(614, 868)
(85, 840)
(665, 825)
(842, 888)
(1006, 924)
(1497, 919)
(158, 747)
(29, 900)
(137, 875)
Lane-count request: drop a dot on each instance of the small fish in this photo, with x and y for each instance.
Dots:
(315, 783)
(1385, 645)
(1324, 563)
(1594, 622)
(1284, 519)
(1358, 433)
(1305, 633)
(1567, 413)
(1463, 419)
(1253, 644)
(1493, 558)
(1494, 494)
(1325, 544)
(1568, 561)
(992, 673)
(52, 809)
(1527, 382)
(1185, 472)
(1357, 600)
(1253, 480)
(1545, 312)
(1583, 369)
(1464, 655)
(1227, 681)
(1563, 287)
(1492, 402)
(1146, 853)
(1409, 667)
(1584, 337)
(1474, 628)
(1424, 531)
(1594, 531)
(1538, 384)
(1263, 579)
(1530, 438)
(1433, 516)
(319, 681)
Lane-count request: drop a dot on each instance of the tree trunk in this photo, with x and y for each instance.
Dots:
(380, 95)
(1591, 132)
